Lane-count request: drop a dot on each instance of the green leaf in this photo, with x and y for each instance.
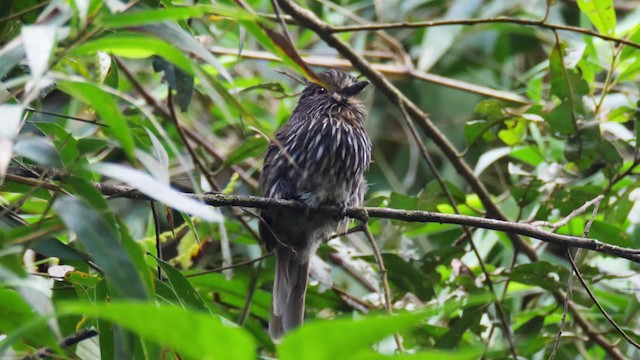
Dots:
(477, 128)
(157, 190)
(601, 13)
(406, 277)
(491, 110)
(107, 107)
(344, 338)
(81, 279)
(193, 334)
(515, 132)
(526, 194)
(582, 147)
(609, 233)
(251, 147)
(144, 17)
(185, 292)
(470, 317)
(566, 83)
(402, 201)
(460, 354)
(38, 235)
(233, 292)
(560, 119)
(136, 46)
(179, 81)
(64, 142)
(100, 239)
(16, 313)
(39, 150)
(537, 274)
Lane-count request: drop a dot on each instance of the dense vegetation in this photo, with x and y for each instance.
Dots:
(115, 113)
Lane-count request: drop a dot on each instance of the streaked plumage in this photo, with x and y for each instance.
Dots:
(319, 158)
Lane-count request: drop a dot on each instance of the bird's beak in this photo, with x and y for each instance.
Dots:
(355, 89)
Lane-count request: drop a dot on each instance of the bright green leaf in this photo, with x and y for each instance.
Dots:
(601, 13)
(107, 107)
(100, 239)
(193, 334)
(136, 46)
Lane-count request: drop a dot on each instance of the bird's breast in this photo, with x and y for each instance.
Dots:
(331, 156)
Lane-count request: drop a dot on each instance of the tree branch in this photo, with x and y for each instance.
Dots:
(498, 20)
(396, 71)
(364, 213)
(382, 270)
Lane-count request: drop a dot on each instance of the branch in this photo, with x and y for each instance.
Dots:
(498, 20)
(499, 311)
(382, 270)
(68, 342)
(387, 69)
(364, 213)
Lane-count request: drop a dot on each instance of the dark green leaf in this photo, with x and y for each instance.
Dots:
(202, 336)
(100, 239)
(177, 79)
(183, 289)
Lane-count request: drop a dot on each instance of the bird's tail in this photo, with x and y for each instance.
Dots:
(289, 288)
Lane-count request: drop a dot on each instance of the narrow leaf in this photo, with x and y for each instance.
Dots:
(193, 334)
(601, 14)
(101, 241)
(158, 191)
(107, 108)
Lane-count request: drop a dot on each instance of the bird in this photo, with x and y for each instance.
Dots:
(318, 157)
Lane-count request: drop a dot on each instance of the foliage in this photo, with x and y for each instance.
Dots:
(165, 95)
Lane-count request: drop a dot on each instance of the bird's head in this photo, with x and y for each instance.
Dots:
(339, 87)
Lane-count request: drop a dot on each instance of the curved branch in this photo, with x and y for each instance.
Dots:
(498, 20)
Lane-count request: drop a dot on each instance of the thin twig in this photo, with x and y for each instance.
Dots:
(383, 278)
(596, 204)
(283, 25)
(196, 159)
(92, 122)
(595, 301)
(565, 220)
(24, 11)
(498, 20)
(156, 224)
(629, 171)
(254, 275)
(396, 71)
(425, 154)
(352, 301)
(337, 260)
(236, 265)
(68, 342)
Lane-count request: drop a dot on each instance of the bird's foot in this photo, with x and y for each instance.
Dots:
(343, 210)
(306, 208)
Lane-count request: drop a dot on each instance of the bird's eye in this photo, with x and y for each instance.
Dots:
(321, 91)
